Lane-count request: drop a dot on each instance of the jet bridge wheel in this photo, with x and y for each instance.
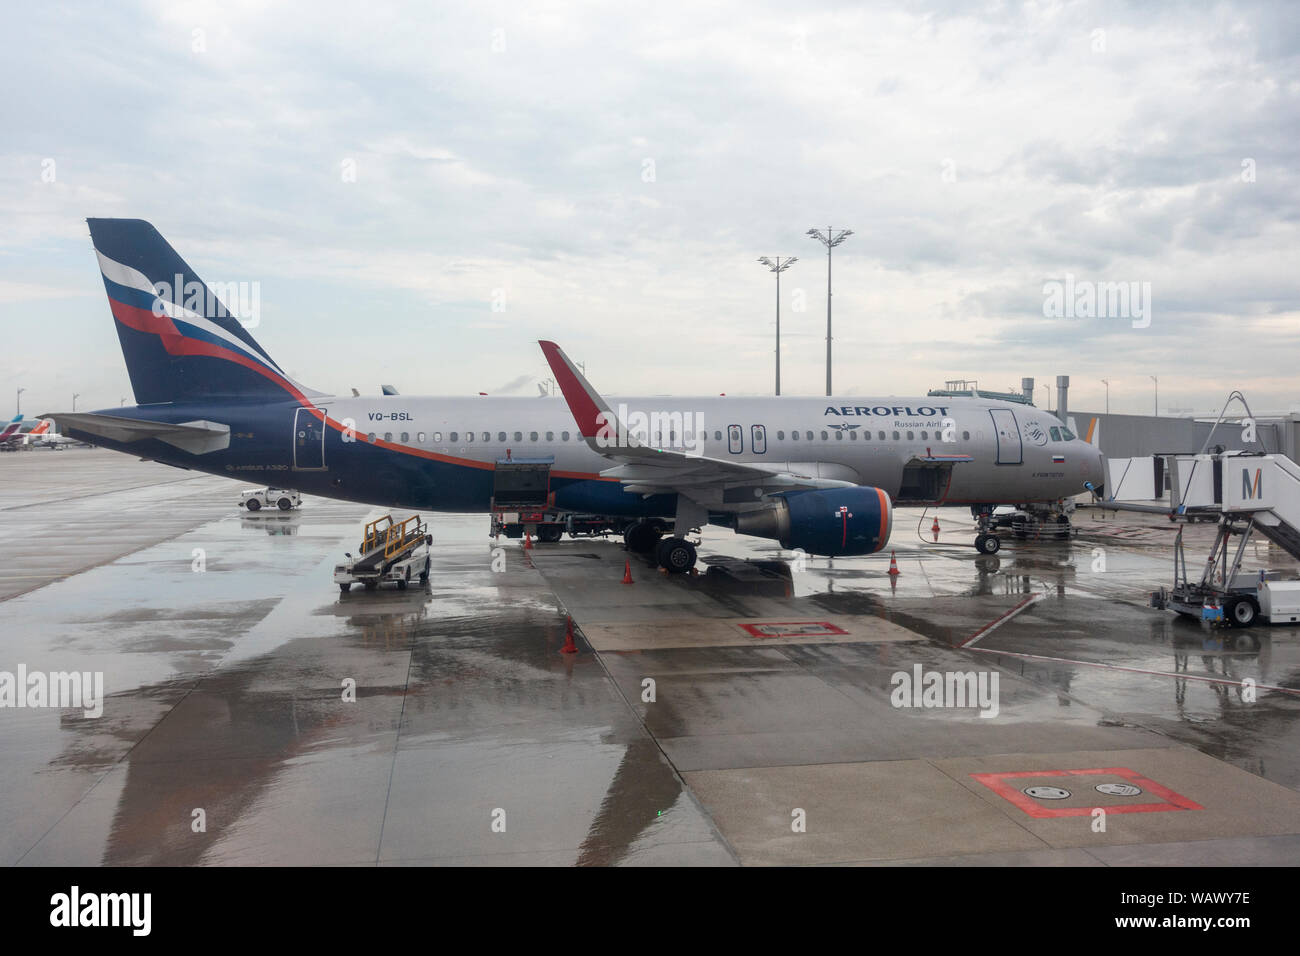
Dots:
(676, 555)
(1242, 611)
(987, 543)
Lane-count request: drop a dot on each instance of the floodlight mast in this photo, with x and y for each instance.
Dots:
(778, 265)
(830, 239)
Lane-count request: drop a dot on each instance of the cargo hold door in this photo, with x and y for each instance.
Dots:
(521, 483)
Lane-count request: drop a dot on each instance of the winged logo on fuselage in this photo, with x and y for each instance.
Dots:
(1035, 433)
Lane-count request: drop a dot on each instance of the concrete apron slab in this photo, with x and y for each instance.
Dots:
(919, 810)
(877, 785)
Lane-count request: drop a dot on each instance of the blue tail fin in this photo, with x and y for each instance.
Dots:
(180, 342)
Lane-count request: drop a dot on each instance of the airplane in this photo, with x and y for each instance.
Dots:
(45, 437)
(818, 474)
(11, 430)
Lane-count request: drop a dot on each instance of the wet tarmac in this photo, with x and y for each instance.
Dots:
(748, 714)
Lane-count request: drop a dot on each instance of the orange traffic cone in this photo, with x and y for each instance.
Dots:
(569, 647)
(935, 527)
(627, 572)
(528, 542)
(893, 565)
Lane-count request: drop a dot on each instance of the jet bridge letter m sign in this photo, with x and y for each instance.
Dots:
(1252, 489)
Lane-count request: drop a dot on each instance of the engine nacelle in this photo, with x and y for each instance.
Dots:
(838, 521)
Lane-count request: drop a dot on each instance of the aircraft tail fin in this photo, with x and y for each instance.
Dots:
(1092, 434)
(180, 341)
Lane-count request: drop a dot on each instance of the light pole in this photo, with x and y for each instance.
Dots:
(778, 265)
(830, 239)
(1107, 384)
(19, 401)
(1157, 384)
(75, 396)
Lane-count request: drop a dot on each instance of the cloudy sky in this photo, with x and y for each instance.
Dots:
(423, 193)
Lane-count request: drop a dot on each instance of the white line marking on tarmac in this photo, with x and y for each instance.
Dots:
(1136, 670)
(997, 622)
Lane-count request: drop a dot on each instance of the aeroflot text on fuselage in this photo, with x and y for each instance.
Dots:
(927, 411)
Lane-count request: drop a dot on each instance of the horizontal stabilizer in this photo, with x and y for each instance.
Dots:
(197, 437)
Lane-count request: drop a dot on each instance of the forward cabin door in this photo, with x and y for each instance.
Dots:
(1010, 449)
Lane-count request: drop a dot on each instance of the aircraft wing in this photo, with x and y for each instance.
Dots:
(197, 437)
(648, 470)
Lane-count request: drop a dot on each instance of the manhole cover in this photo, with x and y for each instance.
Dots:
(1119, 789)
(1047, 793)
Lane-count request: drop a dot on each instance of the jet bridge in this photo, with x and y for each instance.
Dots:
(1245, 493)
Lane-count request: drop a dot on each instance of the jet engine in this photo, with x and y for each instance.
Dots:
(834, 522)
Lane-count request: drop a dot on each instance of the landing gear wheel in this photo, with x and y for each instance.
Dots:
(987, 543)
(345, 587)
(254, 504)
(676, 555)
(284, 504)
(371, 585)
(1241, 612)
(641, 538)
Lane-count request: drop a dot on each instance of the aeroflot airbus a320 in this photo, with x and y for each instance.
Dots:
(821, 474)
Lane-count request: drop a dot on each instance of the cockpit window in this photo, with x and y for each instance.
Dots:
(1056, 433)
(1067, 434)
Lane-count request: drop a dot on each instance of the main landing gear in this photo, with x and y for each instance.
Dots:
(675, 555)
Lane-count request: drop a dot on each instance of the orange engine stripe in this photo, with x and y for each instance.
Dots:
(884, 517)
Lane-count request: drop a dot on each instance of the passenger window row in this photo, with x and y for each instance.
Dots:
(1058, 434)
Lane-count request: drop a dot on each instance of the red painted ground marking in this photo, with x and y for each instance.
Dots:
(794, 629)
(997, 782)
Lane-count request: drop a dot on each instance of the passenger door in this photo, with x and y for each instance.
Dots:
(1007, 432)
(308, 440)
